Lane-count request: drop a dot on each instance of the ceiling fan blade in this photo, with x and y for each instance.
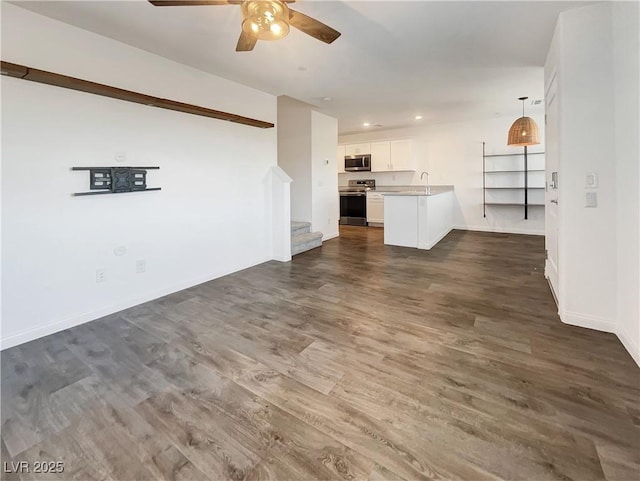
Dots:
(312, 27)
(190, 3)
(246, 42)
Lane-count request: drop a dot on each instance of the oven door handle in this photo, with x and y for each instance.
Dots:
(352, 194)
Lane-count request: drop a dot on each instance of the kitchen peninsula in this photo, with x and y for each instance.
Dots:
(418, 218)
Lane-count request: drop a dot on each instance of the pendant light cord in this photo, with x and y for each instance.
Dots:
(523, 99)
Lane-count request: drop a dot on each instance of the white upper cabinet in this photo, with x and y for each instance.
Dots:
(402, 155)
(380, 156)
(386, 155)
(357, 149)
(341, 154)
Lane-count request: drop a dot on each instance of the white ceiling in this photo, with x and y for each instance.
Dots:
(445, 60)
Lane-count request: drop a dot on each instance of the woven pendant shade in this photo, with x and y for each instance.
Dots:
(524, 131)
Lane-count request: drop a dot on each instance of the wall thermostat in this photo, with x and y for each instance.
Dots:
(591, 180)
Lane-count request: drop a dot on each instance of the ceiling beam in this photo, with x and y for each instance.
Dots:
(58, 80)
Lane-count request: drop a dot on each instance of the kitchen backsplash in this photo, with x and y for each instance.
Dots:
(382, 178)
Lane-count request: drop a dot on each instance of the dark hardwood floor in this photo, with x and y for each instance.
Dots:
(355, 361)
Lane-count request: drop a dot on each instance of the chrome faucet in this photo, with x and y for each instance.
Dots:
(428, 190)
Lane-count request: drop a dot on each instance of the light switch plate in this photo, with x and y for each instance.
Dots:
(592, 199)
(591, 180)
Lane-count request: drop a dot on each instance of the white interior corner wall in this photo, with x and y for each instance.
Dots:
(325, 199)
(307, 144)
(587, 239)
(208, 220)
(294, 153)
(626, 91)
(452, 154)
(594, 56)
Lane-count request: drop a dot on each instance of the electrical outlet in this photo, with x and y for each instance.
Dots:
(141, 266)
(101, 275)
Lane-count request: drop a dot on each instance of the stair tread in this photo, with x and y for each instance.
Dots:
(306, 237)
(300, 225)
(305, 242)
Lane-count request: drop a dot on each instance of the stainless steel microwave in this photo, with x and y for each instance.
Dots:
(357, 163)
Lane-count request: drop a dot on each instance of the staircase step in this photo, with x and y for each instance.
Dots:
(298, 228)
(304, 242)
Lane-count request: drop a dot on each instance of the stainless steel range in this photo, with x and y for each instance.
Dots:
(353, 202)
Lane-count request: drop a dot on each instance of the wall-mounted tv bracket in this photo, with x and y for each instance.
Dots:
(116, 180)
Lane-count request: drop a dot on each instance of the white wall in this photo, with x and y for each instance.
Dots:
(324, 167)
(595, 57)
(209, 219)
(279, 206)
(307, 144)
(626, 89)
(587, 249)
(452, 154)
(294, 153)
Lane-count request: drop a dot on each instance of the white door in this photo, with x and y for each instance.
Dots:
(552, 193)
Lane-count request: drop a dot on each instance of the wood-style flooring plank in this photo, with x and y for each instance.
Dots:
(355, 361)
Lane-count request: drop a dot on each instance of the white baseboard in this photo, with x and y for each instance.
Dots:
(585, 320)
(330, 236)
(482, 228)
(57, 326)
(437, 239)
(630, 345)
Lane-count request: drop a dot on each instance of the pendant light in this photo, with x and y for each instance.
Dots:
(524, 131)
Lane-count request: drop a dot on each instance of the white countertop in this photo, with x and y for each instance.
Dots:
(417, 190)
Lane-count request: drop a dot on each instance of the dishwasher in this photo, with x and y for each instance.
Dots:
(375, 209)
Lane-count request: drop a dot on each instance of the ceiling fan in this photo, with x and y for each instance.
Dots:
(264, 20)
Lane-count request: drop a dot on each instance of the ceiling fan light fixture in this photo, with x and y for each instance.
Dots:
(265, 20)
(524, 131)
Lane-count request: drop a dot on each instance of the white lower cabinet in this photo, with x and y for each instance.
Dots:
(375, 208)
(418, 221)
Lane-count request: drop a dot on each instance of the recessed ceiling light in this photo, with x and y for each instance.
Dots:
(366, 124)
(418, 117)
(327, 99)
